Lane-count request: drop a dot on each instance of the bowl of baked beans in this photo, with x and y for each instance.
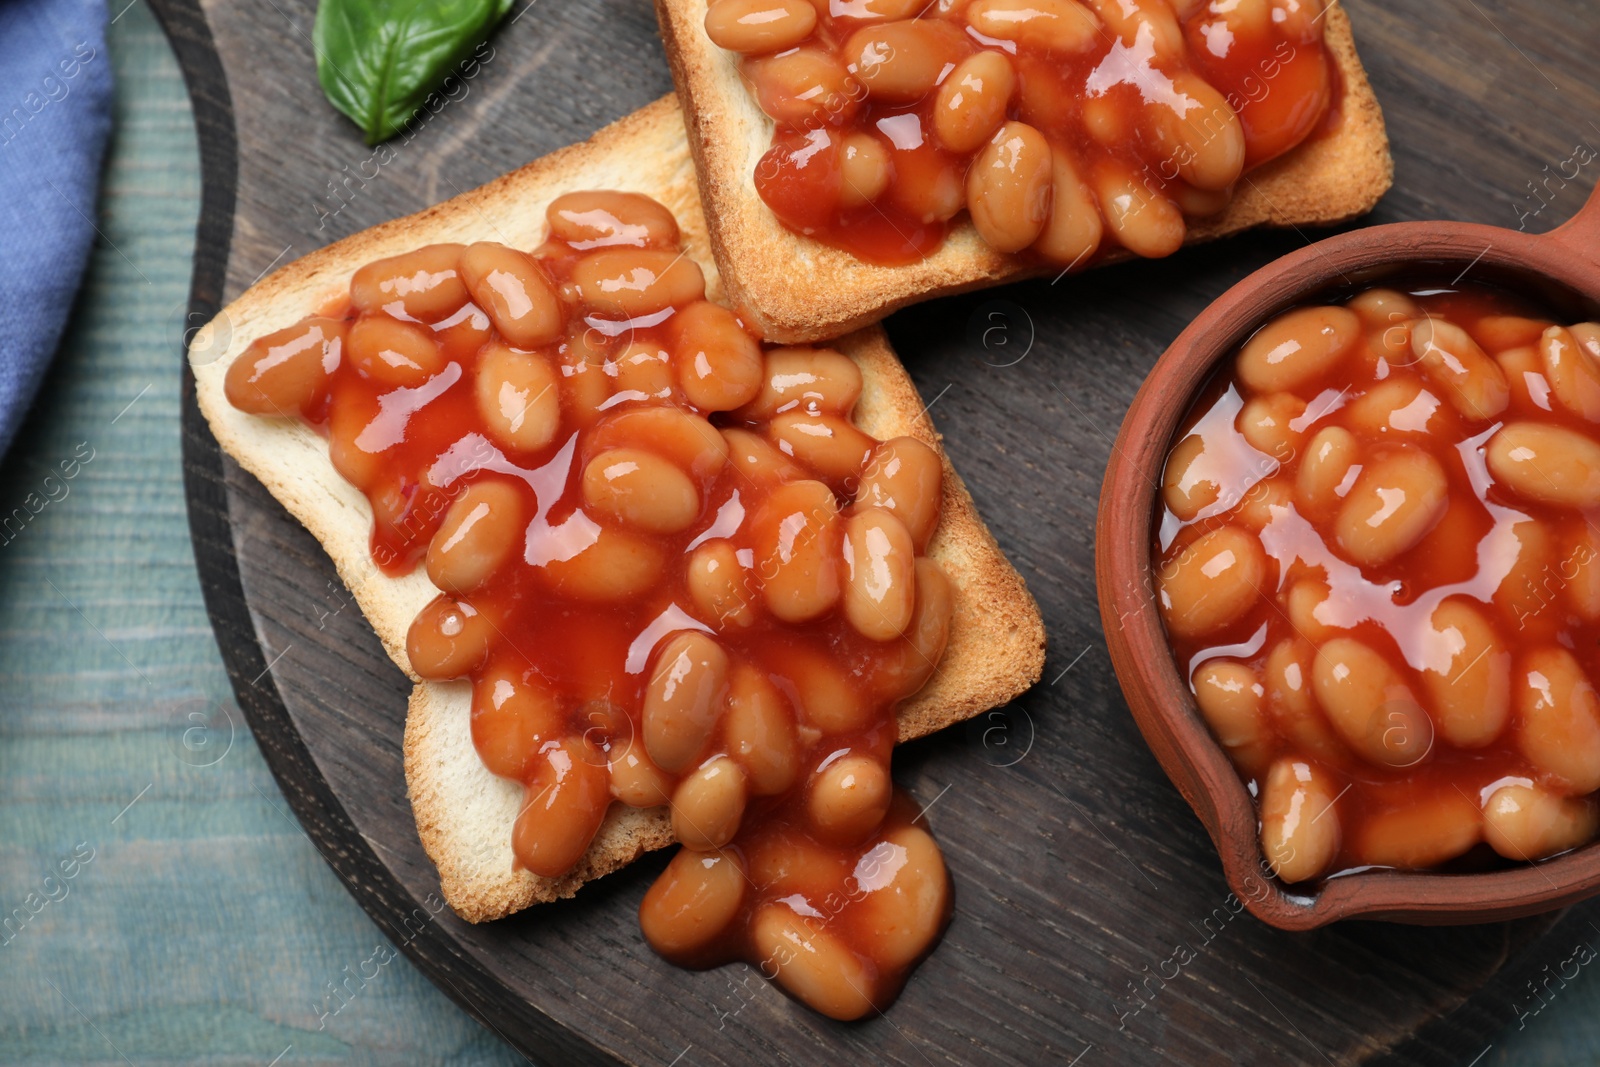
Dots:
(1349, 571)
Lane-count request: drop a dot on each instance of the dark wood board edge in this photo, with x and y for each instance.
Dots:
(405, 920)
(1454, 1037)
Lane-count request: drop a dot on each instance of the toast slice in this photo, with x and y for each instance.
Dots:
(464, 813)
(793, 288)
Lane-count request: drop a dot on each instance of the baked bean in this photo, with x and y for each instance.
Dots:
(905, 476)
(1381, 308)
(1524, 371)
(906, 896)
(1105, 120)
(1500, 332)
(1425, 833)
(753, 26)
(1075, 227)
(1370, 704)
(757, 461)
(512, 713)
(1299, 820)
(616, 565)
(708, 804)
(900, 62)
(1187, 487)
(1467, 675)
(783, 861)
(864, 170)
(805, 88)
(1297, 348)
(424, 285)
(1060, 26)
(719, 363)
(1212, 582)
(1264, 503)
(518, 397)
(1266, 423)
(825, 697)
(686, 439)
(1399, 407)
(1582, 562)
(1572, 372)
(1304, 602)
(1201, 133)
(1198, 203)
(1396, 501)
(683, 699)
(645, 370)
(1547, 464)
(880, 574)
(848, 798)
(928, 186)
(1452, 360)
(883, 9)
(1523, 553)
(1587, 334)
(513, 289)
(810, 962)
(1325, 473)
(1250, 19)
(1558, 719)
(1527, 822)
(693, 901)
(720, 587)
(448, 639)
(972, 101)
(482, 529)
(641, 489)
(797, 533)
(1130, 18)
(590, 220)
(1009, 187)
(585, 385)
(759, 732)
(636, 781)
(565, 801)
(1143, 220)
(828, 445)
(393, 352)
(927, 635)
(634, 283)
(1286, 675)
(350, 413)
(812, 380)
(286, 372)
(1231, 700)
(462, 335)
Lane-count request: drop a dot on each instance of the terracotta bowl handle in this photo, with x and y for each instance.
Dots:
(1580, 234)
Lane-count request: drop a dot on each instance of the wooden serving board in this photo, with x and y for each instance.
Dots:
(1092, 923)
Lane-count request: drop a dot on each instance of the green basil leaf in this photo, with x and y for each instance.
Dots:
(378, 60)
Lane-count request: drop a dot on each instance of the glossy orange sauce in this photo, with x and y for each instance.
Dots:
(1283, 88)
(842, 895)
(1471, 553)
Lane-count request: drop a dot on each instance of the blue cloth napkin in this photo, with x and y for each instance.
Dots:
(55, 115)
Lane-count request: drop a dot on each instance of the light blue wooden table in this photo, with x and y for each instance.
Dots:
(164, 907)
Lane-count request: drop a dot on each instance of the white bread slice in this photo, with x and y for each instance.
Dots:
(792, 288)
(464, 813)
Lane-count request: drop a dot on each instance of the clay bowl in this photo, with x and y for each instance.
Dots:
(1561, 269)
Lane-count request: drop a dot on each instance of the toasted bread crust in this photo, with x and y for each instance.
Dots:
(463, 812)
(793, 288)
